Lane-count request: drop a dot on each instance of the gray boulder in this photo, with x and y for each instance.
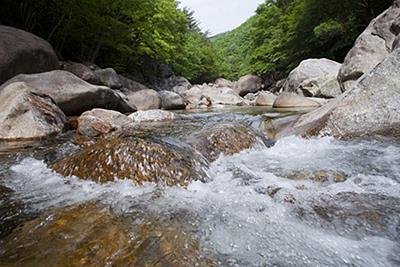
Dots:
(265, 99)
(153, 116)
(73, 95)
(144, 99)
(315, 77)
(292, 100)
(171, 100)
(129, 85)
(107, 77)
(198, 95)
(80, 70)
(22, 52)
(101, 122)
(221, 82)
(248, 84)
(179, 84)
(371, 47)
(368, 109)
(28, 114)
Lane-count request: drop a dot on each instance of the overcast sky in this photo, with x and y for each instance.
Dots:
(219, 16)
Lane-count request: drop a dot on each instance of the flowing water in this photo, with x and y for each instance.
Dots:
(249, 213)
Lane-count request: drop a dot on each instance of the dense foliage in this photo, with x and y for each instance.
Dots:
(284, 32)
(129, 35)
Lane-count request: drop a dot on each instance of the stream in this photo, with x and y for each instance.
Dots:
(299, 202)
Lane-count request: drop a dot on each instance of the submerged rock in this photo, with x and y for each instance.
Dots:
(23, 52)
(153, 116)
(318, 176)
(224, 139)
(138, 160)
(91, 235)
(360, 214)
(27, 113)
(73, 95)
(100, 122)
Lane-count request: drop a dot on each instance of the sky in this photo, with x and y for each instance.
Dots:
(218, 16)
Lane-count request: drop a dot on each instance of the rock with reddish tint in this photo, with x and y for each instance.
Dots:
(101, 122)
(138, 160)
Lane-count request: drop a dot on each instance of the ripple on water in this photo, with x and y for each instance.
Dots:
(234, 213)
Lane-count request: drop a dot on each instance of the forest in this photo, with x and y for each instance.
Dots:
(134, 36)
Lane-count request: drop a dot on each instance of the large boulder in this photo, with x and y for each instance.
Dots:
(138, 160)
(107, 77)
(265, 99)
(100, 122)
(178, 84)
(369, 108)
(153, 116)
(315, 77)
(248, 84)
(196, 96)
(26, 113)
(73, 95)
(221, 82)
(22, 52)
(80, 70)
(129, 85)
(292, 100)
(171, 100)
(144, 99)
(371, 47)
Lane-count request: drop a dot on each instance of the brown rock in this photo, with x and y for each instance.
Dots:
(135, 159)
(225, 139)
(91, 235)
(100, 122)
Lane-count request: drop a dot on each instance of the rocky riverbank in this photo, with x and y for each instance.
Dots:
(121, 173)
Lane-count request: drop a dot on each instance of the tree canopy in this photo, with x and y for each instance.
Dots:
(125, 34)
(284, 32)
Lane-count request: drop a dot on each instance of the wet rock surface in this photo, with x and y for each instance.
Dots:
(358, 214)
(91, 235)
(223, 140)
(142, 161)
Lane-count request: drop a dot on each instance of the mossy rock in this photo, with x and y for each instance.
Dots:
(135, 159)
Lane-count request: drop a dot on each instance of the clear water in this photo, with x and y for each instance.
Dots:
(235, 213)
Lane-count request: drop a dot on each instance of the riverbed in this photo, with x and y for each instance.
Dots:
(294, 202)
